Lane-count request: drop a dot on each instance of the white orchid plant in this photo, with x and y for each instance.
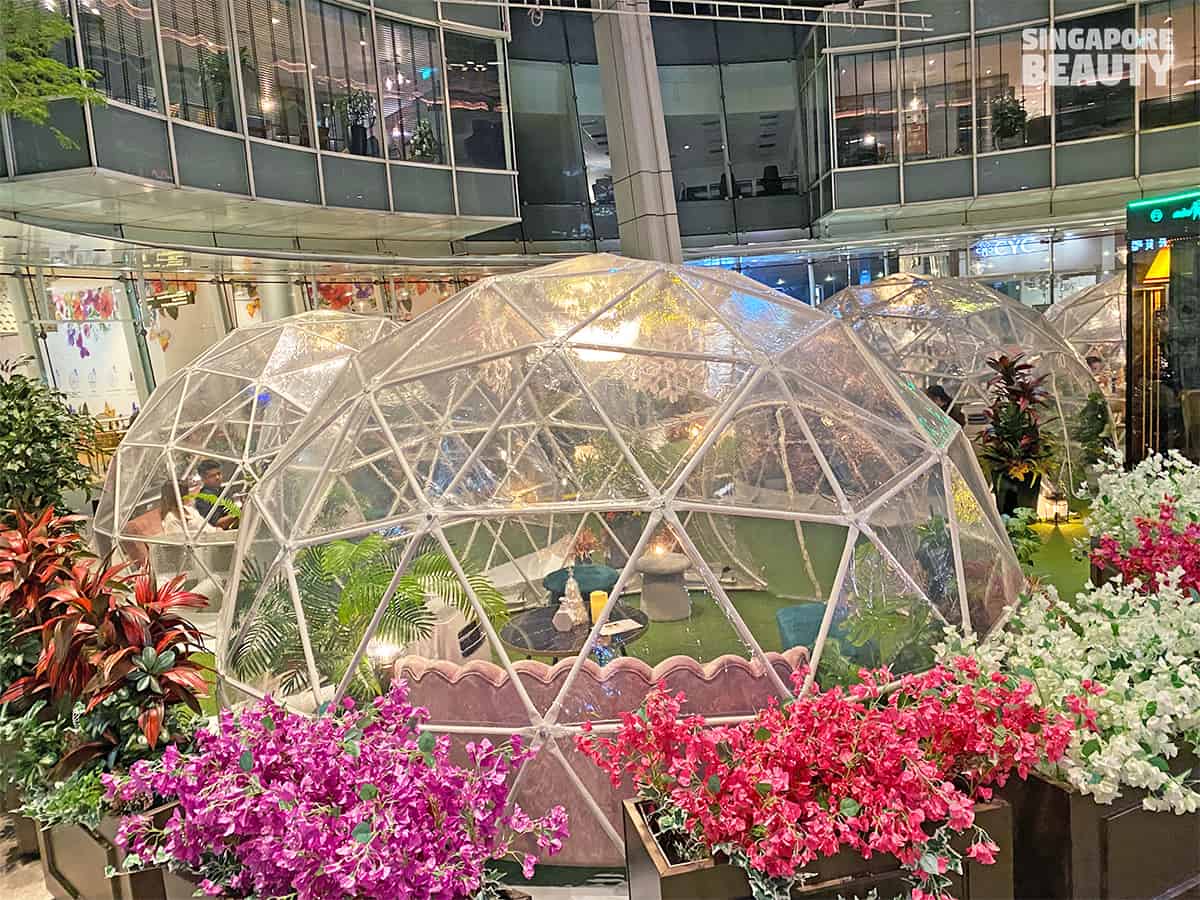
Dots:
(1121, 497)
(1130, 663)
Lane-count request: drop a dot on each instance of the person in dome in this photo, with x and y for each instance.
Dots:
(938, 395)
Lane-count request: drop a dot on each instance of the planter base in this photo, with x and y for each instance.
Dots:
(1069, 847)
(24, 829)
(74, 861)
(651, 877)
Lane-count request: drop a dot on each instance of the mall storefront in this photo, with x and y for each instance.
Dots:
(1164, 325)
(106, 337)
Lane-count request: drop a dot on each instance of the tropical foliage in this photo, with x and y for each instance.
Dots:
(42, 439)
(1092, 429)
(341, 586)
(1025, 541)
(32, 72)
(1013, 444)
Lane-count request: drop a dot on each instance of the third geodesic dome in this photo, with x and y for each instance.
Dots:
(748, 483)
(941, 331)
(1093, 322)
(233, 407)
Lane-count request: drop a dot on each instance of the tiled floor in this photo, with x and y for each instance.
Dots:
(20, 879)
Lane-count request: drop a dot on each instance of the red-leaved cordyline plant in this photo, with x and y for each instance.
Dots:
(1161, 547)
(34, 554)
(358, 803)
(862, 769)
(107, 631)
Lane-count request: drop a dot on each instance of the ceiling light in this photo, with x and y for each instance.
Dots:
(274, 21)
(779, 281)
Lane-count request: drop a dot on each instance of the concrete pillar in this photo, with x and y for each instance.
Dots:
(279, 299)
(637, 135)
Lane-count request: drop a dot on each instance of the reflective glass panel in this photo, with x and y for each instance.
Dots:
(476, 101)
(200, 82)
(414, 114)
(271, 54)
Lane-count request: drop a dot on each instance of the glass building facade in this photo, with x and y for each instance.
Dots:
(395, 107)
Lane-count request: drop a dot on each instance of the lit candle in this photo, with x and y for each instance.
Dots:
(597, 599)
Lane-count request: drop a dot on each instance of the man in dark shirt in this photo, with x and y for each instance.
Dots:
(212, 482)
(938, 395)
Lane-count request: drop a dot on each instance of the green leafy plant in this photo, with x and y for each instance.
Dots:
(31, 76)
(1092, 429)
(898, 632)
(1008, 117)
(341, 585)
(357, 107)
(42, 440)
(1013, 444)
(227, 506)
(33, 745)
(423, 146)
(935, 553)
(76, 800)
(1025, 541)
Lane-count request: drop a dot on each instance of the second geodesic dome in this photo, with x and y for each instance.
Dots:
(235, 405)
(1093, 322)
(941, 331)
(745, 479)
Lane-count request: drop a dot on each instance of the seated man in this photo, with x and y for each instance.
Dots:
(212, 483)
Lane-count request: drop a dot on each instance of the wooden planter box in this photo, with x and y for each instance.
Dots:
(75, 859)
(653, 877)
(1069, 846)
(24, 829)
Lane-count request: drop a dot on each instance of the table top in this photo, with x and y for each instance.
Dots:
(533, 631)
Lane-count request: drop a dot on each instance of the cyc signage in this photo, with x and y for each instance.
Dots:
(1017, 245)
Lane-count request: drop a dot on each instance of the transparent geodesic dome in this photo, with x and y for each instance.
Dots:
(746, 481)
(941, 331)
(1093, 322)
(228, 411)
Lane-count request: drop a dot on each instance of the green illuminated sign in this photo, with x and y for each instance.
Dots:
(1175, 215)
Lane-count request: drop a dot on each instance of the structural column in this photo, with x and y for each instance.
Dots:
(637, 134)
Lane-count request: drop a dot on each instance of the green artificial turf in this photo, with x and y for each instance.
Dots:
(1056, 564)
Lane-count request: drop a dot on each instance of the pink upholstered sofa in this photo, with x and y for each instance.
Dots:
(482, 693)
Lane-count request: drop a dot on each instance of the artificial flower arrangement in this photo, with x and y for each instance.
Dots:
(358, 802)
(880, 768)
(1164, 544)
(1135, 657)
(1121, 497)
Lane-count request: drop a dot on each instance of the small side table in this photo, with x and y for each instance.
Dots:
(664, 595)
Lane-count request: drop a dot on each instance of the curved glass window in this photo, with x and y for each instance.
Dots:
(118, 42)
(414, 113)
(274, 72)
(343, 68)
(200, 82)
(474, 77)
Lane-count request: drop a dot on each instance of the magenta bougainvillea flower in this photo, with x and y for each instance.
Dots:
(362, 803)
(1163, 545)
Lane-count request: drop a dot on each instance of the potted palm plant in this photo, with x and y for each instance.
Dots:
(1008, 121)
(1013, 447)
(342, 584)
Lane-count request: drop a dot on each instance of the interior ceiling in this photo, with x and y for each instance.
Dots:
(111, 201)
(26, 245)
